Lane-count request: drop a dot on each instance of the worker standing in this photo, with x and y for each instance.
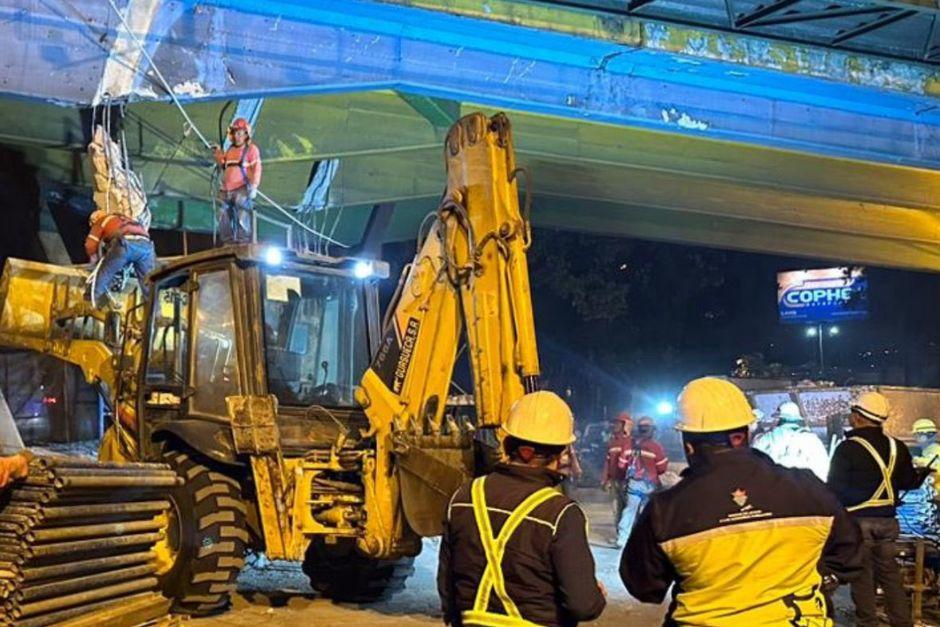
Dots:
(241, 176)
(743, 540)
(925, 432)
(868, 471)
(613, 478)
(514, 550)
(792, 444)
(918, 509)
(643, 461)
(122, 242)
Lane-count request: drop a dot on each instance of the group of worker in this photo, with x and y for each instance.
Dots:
(116, 241)
(740, 539)
(632, 471)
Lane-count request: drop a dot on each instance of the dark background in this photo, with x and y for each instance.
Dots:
(623, 324)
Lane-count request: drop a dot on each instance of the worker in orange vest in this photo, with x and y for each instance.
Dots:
(119, 242)
(614, 477)
(241, 176)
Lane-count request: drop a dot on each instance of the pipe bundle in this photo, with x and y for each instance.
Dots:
(77, 540)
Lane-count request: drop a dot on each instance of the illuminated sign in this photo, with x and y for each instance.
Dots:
(826, 295)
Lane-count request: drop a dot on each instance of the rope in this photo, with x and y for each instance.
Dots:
(192, 125)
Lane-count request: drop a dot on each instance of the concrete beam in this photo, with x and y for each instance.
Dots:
(234, 49)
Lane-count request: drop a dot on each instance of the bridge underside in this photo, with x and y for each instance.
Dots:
(655, 128)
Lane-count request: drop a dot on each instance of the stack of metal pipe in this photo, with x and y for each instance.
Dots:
(77, 538)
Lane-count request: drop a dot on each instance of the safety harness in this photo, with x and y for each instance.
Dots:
(884, 493)
(495, 548)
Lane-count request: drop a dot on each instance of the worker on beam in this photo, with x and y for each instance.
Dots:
(241, 176)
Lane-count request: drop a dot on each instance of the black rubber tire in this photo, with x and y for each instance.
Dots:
(343, 574)
(210, 536)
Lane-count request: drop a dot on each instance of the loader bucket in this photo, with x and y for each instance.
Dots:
(33, 296)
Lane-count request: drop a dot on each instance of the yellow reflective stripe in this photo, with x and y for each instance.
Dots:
(491, 619)
(884, 494)
(494, 548)
(482, 517)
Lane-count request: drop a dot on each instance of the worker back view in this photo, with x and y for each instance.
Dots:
(869, 470)
(792, 444)
(743, 540)
(514, 550)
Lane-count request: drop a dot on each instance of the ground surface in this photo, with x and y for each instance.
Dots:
(278, 594)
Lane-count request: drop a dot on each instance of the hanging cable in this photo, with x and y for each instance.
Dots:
(156, 70)
(195, 129)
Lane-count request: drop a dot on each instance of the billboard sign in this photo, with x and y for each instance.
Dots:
(825, 295)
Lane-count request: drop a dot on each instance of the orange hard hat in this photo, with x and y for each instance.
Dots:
(624, 417)
(240, 124)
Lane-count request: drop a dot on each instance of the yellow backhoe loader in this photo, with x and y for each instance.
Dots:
(302, 423)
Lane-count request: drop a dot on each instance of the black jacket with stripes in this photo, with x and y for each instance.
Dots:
(855, 476)
(548, 566)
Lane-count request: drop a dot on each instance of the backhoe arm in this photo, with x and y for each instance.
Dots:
(470, 270)
(474, 256)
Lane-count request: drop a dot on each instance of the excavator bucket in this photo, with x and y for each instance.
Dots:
(430, 469)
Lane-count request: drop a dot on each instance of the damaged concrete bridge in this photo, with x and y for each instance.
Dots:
(792, 126)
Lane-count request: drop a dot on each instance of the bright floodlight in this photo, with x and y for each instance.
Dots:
(811, 332)
(664, 408)
(833, 330)
(363, 269)
(273, 256)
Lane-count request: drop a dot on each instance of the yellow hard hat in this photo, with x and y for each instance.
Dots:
(924, 425)
(872, 405)
(542, 418)
(710, 404)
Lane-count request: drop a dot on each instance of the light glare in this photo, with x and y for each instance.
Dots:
(362, 270)
(273, 256)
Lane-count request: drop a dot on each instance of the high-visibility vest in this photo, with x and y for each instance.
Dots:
(495, 548)
(884, 493)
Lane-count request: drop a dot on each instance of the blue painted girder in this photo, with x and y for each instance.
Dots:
(237, 48)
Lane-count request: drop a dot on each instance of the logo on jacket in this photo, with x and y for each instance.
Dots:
(739, 496)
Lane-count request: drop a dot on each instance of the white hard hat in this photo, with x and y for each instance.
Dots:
(789, 412)
(710, 404)
(872, 405)
(541, 418)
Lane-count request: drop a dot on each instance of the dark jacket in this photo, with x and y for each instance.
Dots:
(548, 567)
(854, 475)
(744, 541)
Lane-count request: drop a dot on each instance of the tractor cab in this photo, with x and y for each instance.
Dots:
(255, 321)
